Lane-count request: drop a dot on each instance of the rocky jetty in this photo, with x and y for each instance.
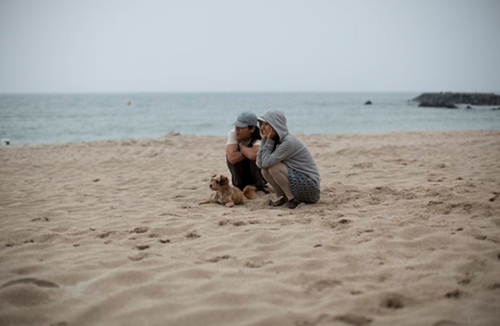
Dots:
(450, 100)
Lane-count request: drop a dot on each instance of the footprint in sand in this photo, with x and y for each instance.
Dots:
(141, 229)
(106, 234)
(445, 323)
(392, 301)
(218, 258)
(223, 222)
(356, 320)
(465, 281)
(495, 197)
(347, 319)
(257, 263)
(27, 292)
(455, 294)
(138, 257)
(36, 219)
(495, 286)
(34, 281)
(192, 235)
(341, 222)
(323, 285)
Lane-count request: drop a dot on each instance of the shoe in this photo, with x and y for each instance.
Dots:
(280, 202)
(292, 203)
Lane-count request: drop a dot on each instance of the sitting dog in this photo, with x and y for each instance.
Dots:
(227, 195)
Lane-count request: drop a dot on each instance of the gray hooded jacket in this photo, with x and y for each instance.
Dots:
(290, 150)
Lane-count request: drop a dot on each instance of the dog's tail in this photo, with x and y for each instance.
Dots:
(249, 192)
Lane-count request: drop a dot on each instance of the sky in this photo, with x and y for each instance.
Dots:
(80, 46)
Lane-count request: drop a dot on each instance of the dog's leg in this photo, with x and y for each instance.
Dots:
(229, 203)
(211, 200)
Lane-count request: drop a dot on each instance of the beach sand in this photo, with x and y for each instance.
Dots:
(407, 232)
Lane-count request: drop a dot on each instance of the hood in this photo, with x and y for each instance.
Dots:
(276, 118)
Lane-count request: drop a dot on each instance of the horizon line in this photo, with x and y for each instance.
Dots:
(226, 92)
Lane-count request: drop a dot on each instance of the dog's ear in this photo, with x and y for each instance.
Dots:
(224, 181)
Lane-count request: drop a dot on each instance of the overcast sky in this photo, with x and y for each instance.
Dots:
(229, 46)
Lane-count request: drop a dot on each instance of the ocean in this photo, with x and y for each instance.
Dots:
(59, 118)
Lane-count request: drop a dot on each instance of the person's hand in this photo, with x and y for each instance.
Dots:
(272, 133)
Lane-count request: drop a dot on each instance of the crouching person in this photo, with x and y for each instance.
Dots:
(241, 152)
(286, 163)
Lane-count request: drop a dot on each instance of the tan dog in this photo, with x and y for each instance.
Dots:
(227, 195)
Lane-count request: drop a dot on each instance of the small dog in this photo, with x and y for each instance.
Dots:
(227, 195)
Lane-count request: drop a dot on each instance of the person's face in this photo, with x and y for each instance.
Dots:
(266, 128)
(243, 133)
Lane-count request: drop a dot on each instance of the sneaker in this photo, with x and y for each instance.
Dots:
(280, 202)
(292, 203)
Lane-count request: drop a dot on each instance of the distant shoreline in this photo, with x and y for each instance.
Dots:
(145, 141)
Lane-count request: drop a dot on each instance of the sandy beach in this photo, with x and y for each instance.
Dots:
(407, 232)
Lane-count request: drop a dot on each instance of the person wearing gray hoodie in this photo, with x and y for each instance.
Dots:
(286, 163)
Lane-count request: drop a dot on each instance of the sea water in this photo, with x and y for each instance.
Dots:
(56, 118)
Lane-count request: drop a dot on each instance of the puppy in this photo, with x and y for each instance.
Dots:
(227, 195)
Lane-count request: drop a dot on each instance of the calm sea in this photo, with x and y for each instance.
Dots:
(29, 119)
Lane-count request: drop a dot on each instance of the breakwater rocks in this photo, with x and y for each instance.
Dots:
(450, 100)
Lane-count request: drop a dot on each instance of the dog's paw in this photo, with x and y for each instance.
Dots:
(229, 204)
